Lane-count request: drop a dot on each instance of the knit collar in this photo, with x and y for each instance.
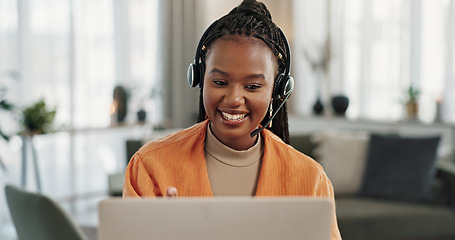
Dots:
(230, 156)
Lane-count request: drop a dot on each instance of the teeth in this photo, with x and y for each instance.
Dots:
(233, 117)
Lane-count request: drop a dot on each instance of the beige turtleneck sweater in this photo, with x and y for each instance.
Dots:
(232, 172)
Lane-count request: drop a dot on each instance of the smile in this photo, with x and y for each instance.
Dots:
(233, 117)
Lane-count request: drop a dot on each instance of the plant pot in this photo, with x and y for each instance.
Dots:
(141, 115)
(412, 109)
(340, 104)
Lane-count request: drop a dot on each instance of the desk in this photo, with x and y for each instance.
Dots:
(31, 154)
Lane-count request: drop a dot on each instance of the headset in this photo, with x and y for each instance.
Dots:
(284, 83)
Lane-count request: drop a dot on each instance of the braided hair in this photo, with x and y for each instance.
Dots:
(251, 18)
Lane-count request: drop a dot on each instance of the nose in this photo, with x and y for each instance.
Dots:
(234, 96)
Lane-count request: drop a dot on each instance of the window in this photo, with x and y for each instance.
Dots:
(380, 48)
(73, 54)
(375, 57)
(437, 79)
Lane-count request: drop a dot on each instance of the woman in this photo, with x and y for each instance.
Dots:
(242, 67)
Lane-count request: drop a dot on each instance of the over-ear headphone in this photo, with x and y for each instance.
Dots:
(284, 83)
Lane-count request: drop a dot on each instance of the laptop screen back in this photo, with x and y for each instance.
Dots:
(215, 218)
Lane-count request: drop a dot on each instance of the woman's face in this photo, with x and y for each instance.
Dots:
(238, 84)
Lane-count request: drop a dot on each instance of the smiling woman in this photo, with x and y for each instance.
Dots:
(238, 88)
(242, 66)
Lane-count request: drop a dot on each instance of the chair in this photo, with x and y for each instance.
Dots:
(38, 217)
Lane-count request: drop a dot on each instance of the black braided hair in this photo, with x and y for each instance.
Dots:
(251, 18)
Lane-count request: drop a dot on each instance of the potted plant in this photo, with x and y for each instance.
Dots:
(37, 119)
(320, 65)
(412, 102)
(144, 99)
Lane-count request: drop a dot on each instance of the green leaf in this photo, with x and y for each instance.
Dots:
(37, 118)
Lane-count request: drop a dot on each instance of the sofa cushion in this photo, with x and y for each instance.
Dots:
(399, 168)
(342, 153)
(303, 143)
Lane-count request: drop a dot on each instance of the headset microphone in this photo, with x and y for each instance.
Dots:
(253, 133)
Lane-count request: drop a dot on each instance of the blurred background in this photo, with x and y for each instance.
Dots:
(102, 65)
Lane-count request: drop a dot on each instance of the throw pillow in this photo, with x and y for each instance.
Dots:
(400, 168)
(342, 153)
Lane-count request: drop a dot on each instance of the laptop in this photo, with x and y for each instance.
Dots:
(215, 218)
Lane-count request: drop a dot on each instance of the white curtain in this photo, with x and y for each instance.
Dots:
(74, 52)
(178, 39)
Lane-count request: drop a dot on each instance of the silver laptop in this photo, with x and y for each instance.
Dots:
(215, 218)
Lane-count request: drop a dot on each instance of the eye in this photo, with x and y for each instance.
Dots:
(253, 87)
(220, 82)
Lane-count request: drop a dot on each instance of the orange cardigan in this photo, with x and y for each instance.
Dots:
(178, 160)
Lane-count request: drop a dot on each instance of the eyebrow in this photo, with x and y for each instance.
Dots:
(216, 70)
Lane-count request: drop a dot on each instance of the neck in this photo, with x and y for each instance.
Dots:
(244, 143)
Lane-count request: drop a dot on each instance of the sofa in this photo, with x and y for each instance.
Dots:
(422, 209)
